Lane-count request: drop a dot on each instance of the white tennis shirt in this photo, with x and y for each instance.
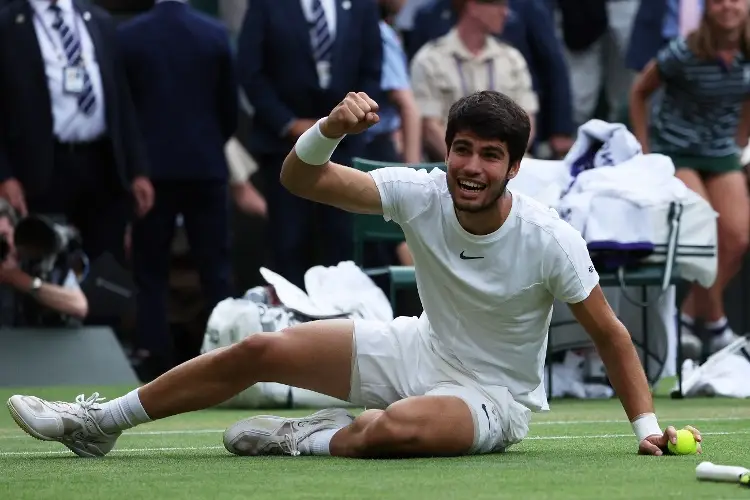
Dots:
(487, 313)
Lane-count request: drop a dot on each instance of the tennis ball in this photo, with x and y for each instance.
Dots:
(686, 444)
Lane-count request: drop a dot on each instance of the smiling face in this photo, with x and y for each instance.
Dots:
(478, 172)
(727, 15)
(486, 137)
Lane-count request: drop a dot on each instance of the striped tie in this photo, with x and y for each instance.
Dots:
(322, 43)
(72, 47)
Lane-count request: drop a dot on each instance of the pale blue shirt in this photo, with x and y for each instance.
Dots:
(671, 26)
(395, 76)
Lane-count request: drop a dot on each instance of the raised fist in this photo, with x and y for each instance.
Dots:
(355, 114)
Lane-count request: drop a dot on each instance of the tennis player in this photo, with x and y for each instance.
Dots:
(464, 377)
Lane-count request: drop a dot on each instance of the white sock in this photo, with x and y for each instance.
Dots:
(320, 442)
(717, 326)
(687, 320)
(123, 413)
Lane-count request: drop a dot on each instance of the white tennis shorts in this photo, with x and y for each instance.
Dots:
(391, 361)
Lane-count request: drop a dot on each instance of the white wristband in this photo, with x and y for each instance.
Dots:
(314, 148)
(646, 425)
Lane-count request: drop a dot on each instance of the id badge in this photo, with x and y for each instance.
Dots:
(73, 80)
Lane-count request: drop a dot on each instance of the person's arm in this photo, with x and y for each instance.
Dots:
(644, 86)
(399, 194)
(523, 89)
(70, 301)
(615, 347)
(427, 97)
(270, 110)
(371, 57)
(667, 67)
(571, 277)
(395, 81)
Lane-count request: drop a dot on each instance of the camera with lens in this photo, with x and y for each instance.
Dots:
(49, 250)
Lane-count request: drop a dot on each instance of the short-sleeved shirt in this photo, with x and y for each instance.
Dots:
(444, 70)
(395, 76)
(487, 299)
(702, 103)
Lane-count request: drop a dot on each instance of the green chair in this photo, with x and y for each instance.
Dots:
(374, 229)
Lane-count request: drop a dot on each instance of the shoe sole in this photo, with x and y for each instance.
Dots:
(31, 432)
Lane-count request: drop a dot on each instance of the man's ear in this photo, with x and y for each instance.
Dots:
(513, 169)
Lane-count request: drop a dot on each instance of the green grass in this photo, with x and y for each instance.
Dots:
(581, 449)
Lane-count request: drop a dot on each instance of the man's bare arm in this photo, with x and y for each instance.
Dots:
(433, 130)
(308, 172)
(615, 347)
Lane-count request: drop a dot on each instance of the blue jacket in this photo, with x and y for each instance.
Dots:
(181, 73)
(278, 74)
(647, 36)
(530, 29)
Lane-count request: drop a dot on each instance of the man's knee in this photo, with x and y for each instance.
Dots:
(250, 353)
(395, 428)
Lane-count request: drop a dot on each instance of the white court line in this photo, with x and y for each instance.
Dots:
(205, 448)
(19, 435)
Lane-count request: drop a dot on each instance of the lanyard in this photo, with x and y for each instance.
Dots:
(58, 44)
(490, 63)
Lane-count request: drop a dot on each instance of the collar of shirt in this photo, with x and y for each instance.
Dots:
(42, 6)
(454, 44)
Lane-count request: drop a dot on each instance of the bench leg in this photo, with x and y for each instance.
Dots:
(678, 394)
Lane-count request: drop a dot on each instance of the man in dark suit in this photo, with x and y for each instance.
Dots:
(651, 31)
(181, 71)
(70, 142)
(530, 29)
(298, 59)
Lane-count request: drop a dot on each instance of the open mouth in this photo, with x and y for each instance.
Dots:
(471, 185)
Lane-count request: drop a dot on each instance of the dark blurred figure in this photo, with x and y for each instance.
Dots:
(530, 29)
(180, 67)
(69, 142)
(297, 60)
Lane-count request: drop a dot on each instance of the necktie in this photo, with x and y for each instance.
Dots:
(689, 16)
(72, 47)
(320, 34)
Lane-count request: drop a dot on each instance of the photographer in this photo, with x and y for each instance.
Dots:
(27, 299)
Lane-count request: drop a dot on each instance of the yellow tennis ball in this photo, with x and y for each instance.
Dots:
(686, 443)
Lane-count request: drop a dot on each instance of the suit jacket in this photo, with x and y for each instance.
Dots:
(277, 70)
(530, 29)
(181, 71)
(647, 38)
(26, 122)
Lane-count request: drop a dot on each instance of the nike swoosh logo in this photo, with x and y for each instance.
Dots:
(466, 257)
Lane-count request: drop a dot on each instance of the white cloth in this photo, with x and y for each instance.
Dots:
(69, 123)
(617, 146)
(396, 360)
(724, 373)
(489, 316)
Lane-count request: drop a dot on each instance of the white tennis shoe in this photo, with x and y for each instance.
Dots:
(73, 424)
(271, 435)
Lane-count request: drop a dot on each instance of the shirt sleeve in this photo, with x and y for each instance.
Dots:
(423, 83)
(405, 192)
(569, 272)
(671, 60)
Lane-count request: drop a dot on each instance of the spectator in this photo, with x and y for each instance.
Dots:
(398, 109)
(61, 303)
(299, 59)
(596, 34)
(702, 122)
(71, 144)
(181, 70)
(466, 60)
(529, 27)
(656, 23)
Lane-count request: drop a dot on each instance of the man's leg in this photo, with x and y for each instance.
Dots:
(414, 427)
(315, 356)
